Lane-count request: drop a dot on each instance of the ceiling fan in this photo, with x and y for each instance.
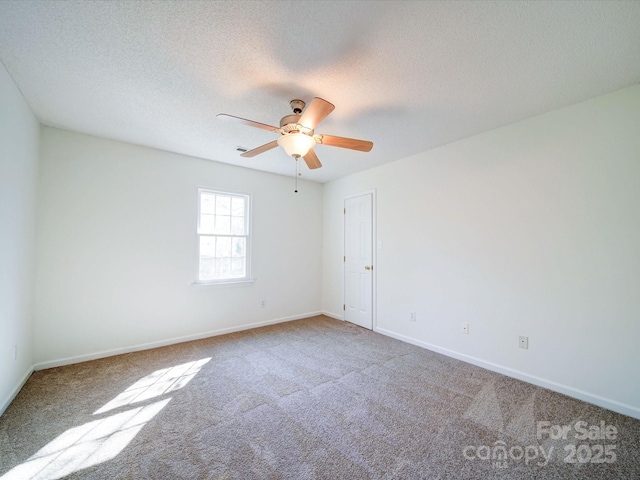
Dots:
(297, 132)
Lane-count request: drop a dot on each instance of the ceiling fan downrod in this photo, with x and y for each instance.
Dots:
(297, 106)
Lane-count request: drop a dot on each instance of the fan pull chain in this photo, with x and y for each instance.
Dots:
(297, 174)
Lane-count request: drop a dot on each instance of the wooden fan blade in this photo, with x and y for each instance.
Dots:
(259, 150)
(315, 113)
(250, 123)
(342, 142)
(311, 159)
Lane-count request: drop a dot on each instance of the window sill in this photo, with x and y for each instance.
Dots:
(241, 282)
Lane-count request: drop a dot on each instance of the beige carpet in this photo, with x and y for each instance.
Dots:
(314, 398)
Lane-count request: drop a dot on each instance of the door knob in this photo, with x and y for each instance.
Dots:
(368, 267)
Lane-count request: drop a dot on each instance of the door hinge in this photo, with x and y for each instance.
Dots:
(344, 211)
(344, 307)
(344, 259)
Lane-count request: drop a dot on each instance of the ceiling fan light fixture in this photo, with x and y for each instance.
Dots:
(296, 144)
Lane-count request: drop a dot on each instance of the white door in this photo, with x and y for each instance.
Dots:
(358, 260)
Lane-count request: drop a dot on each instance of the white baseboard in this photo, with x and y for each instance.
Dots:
(16, 390)
(163, 343)
(603, 402)
(333, 315)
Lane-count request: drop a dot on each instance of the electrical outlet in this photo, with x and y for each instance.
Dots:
(412, 316)
(263, 303)
(524, 342)
(464, 328)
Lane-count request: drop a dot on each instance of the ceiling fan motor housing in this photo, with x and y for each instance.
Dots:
(289, 124)
(289, 120)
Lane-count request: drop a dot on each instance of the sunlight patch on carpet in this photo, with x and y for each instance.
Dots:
(156, 384)
(102, 440)
(87, 445)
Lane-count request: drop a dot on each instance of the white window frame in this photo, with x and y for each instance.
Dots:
(199, 234)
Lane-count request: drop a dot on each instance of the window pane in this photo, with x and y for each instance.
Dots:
(237, 225)
(207, 203)
(237, 206)
(207, 262)
(237, 267)
(223, 247)
(223, 225)
(207, 271)
(223, 267)
(238, 247)
(207, 246)
(223, 205)
(206, 223)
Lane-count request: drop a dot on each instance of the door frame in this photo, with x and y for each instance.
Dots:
(374, 255)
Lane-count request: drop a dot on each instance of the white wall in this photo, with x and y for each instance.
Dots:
(532, 229)
(19, 138)
(117, 248)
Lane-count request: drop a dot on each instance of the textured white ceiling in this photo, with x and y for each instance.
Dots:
(409, 76)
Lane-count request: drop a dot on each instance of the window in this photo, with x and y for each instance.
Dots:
(223, 237)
